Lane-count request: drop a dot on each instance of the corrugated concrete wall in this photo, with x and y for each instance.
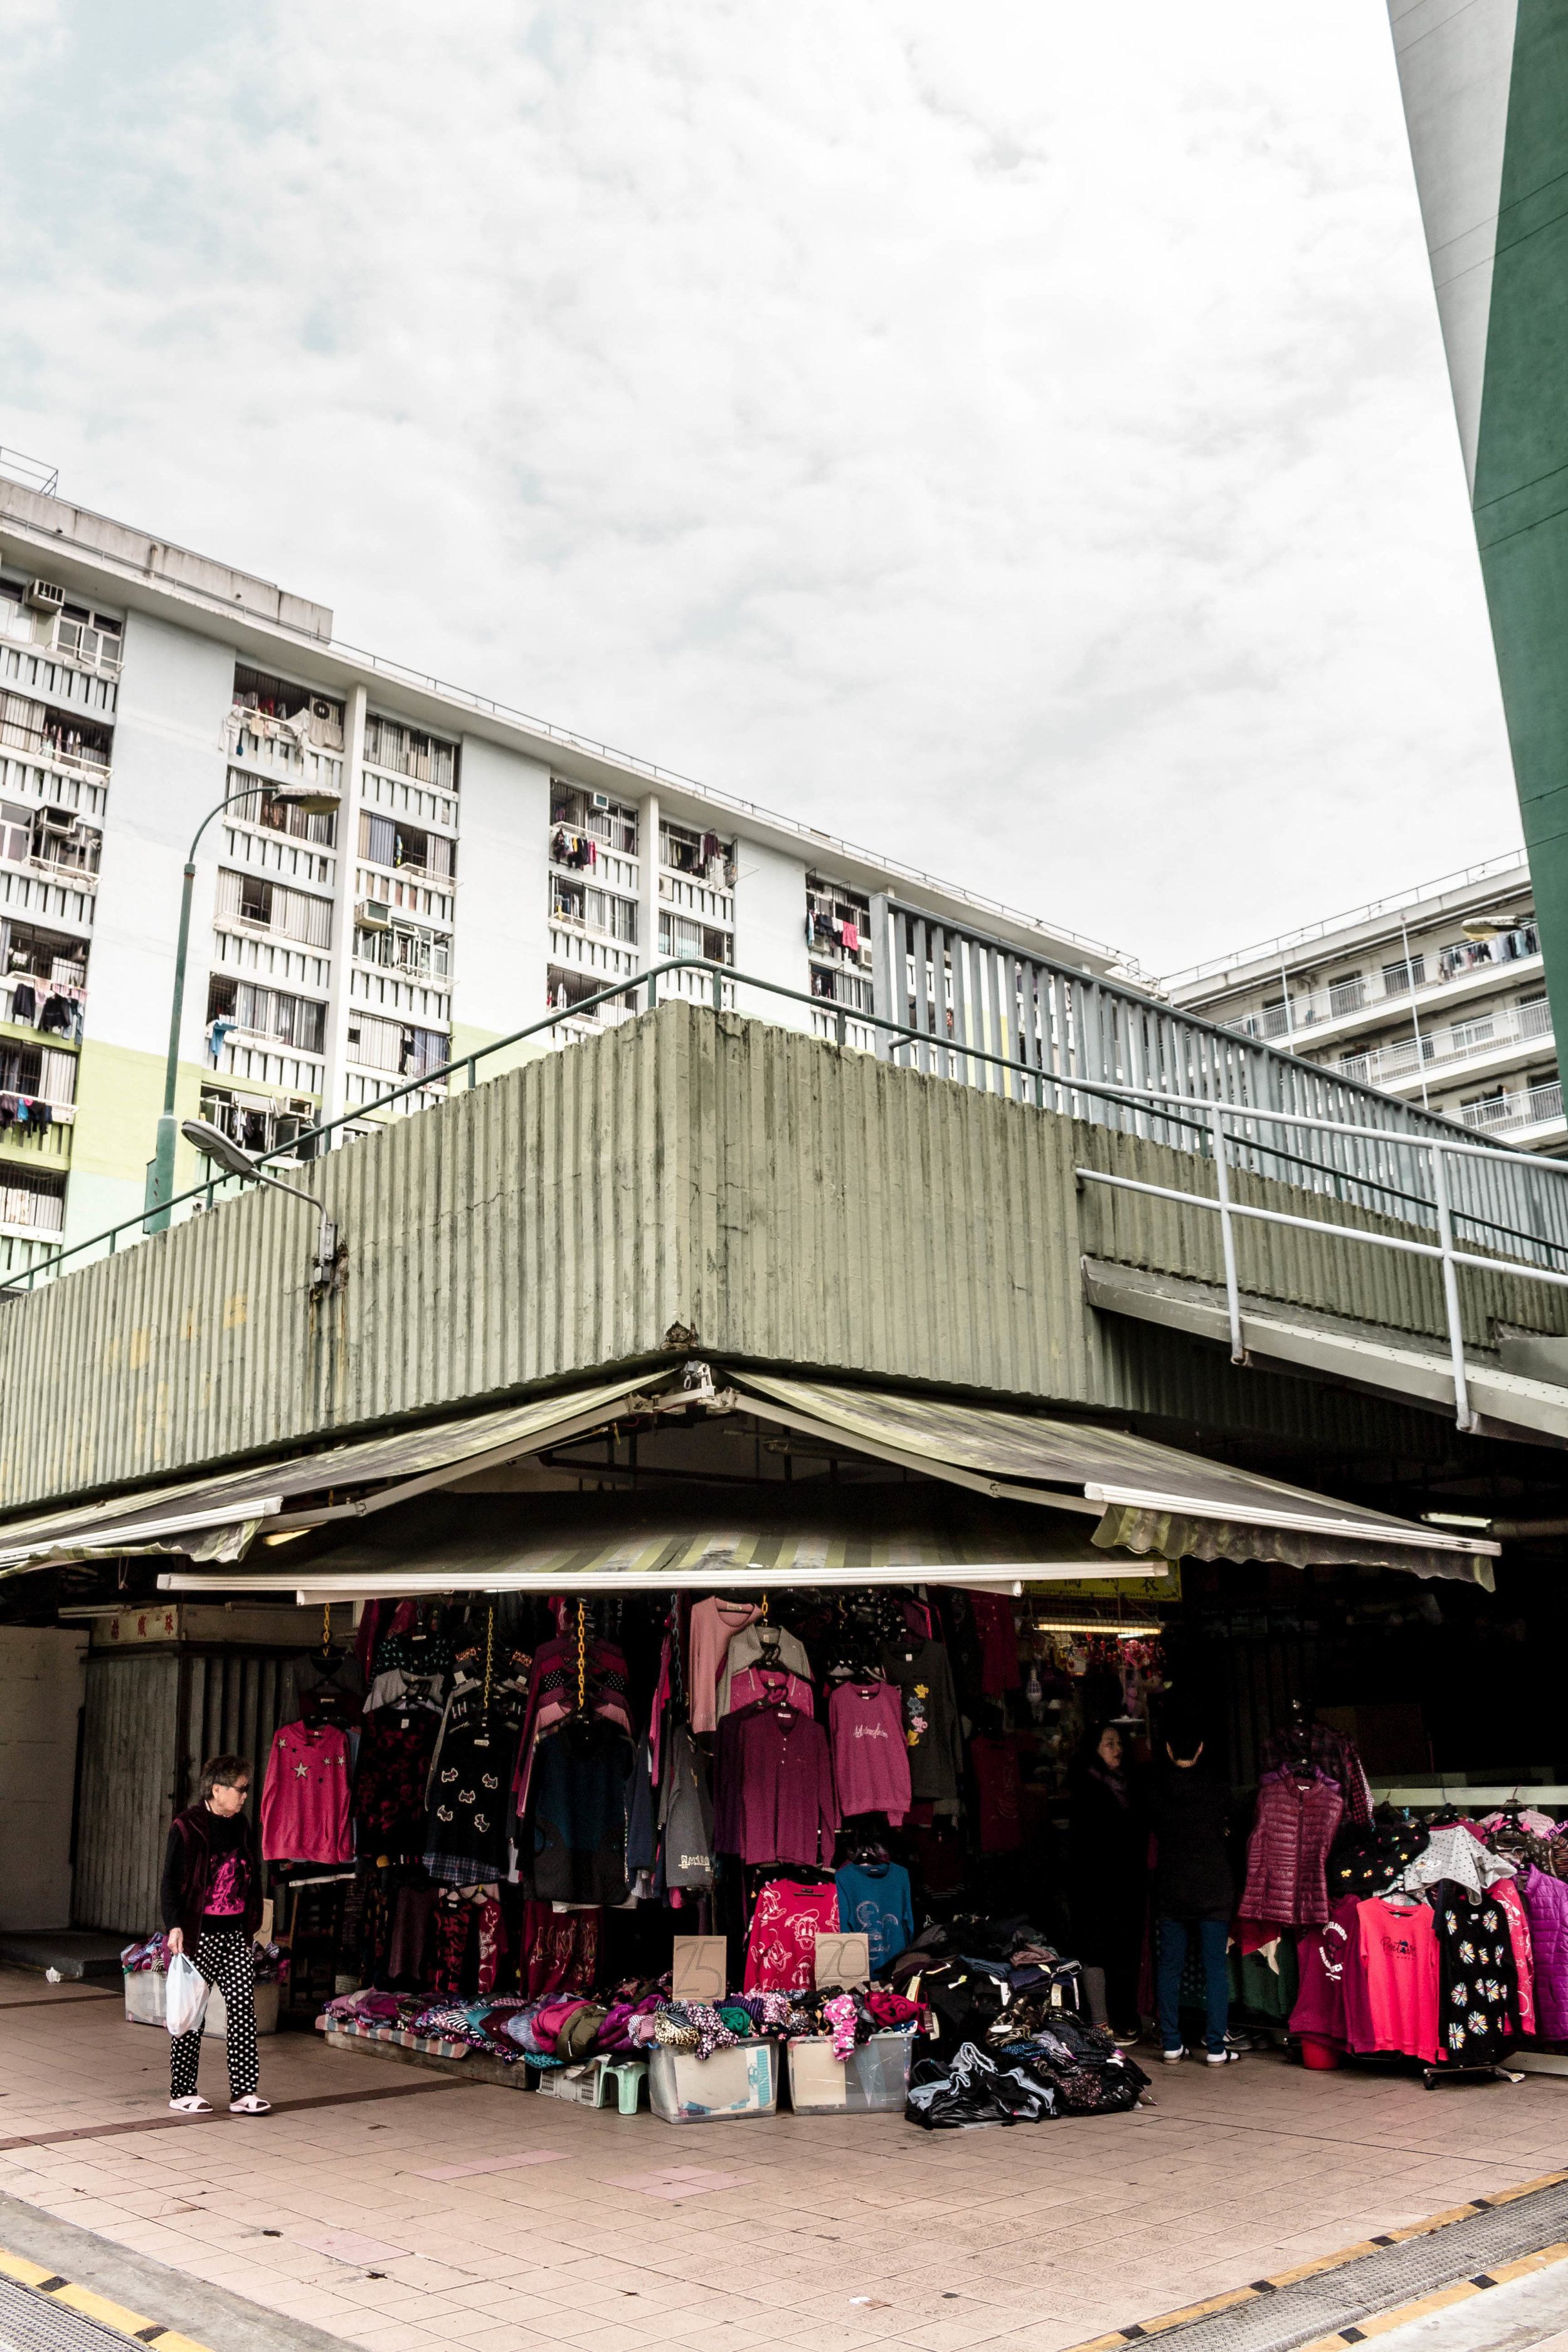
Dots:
(792, 1204)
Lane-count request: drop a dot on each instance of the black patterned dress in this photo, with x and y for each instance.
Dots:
(1477, 1985)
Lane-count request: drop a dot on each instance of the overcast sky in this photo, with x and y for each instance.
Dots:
(1014, 436)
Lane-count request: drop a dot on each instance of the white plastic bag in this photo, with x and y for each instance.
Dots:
(186, 1995)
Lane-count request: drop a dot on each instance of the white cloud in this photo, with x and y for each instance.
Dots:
(1016, 437)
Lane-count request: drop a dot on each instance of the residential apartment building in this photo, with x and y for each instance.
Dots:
(1439, 998)
(480, 870)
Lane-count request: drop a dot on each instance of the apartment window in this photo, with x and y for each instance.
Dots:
(1398, 977)
(38, 1201)
(407, 751)
(574, 810)
(596, 910)
(402, 948)
(1347, 994)
(296, 1021)
(685, 851)
(680, 935)
(293, 914)
(275, 814)
(396, 1046)
(386, 843)
(282, 697)
(15, 832)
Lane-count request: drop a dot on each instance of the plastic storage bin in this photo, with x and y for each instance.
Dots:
(144, 1991)
(736, 2083)
(872, 2081)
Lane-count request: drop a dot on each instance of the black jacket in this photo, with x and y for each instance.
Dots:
(1188, 1812)
(188, 1864)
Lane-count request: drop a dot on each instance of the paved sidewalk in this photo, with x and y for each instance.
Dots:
(490, 2219)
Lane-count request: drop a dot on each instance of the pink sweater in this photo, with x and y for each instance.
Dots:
(870, 1758)
(305, 1803)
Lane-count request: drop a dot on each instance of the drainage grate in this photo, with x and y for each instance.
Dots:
(37, 2323)
(1320, 2306)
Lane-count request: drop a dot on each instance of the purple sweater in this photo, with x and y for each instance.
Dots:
(774, 1798)
(870, 1756)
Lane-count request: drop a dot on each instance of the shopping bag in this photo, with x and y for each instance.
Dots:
(186, 1995)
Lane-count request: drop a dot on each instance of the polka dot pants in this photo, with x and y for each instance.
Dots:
(224, 1961)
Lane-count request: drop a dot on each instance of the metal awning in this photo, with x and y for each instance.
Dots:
(1147, 1498)
(224, 1514)
(818, 1535)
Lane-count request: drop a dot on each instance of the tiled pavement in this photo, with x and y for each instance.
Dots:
(829, 2234)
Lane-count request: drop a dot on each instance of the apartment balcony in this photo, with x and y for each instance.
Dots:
(1533, 1116)
(1321, 1016)
(267, 747)
(1514, 1033)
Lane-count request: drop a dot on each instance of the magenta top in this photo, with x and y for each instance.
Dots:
(870, 1755)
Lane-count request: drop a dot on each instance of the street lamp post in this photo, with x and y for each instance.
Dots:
(314, 799)
(233, 1157)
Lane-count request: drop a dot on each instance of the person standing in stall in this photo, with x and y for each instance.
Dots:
(1107, 1845)
(1193, 1889)
(211, 1902)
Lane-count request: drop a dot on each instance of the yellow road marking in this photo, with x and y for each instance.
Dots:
(93, 2305)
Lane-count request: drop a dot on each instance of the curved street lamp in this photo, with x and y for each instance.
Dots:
(314, 799)
(237, 1161)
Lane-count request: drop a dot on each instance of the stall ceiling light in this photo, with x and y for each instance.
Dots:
(1453, 1519)
(1095, 1626)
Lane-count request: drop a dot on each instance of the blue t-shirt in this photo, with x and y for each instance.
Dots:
(874, 1897)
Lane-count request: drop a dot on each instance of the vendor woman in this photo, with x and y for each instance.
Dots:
(1109, 1852)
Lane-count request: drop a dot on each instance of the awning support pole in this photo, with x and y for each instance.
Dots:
(1465, 1418)
(1227, 1240)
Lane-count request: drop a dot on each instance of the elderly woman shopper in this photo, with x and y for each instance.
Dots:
(211, 1899)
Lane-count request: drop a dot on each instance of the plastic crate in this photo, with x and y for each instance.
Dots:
(145, 1989)
(872, 2081)
(734, 2084)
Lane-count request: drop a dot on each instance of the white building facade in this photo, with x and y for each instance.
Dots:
(1438, 998)
(480, 873)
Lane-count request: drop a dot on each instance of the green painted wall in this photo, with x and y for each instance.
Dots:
(120, 1093)
(1521, 462)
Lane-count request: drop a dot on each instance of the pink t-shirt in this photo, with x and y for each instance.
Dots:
(780, 1950)
(305, 1803)
(870, 1760)
(712, 1622)
(1391, 1983)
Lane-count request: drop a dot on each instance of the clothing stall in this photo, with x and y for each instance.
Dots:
(719, 1850)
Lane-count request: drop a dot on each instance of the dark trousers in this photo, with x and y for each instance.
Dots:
(1170, 1941)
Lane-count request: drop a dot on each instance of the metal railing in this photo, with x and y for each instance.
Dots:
(1532, 1106)
(1438, 1156)
(1515, 1200)
(1441, 1049)
(1413, 903)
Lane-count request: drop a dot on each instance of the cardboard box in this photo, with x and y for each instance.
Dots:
(843, 1959)
(700, 1969)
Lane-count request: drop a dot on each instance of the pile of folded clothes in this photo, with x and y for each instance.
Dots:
(271, 1961)
(988, 1981)
(1067, 2069)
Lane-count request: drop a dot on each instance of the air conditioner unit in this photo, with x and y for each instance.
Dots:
(601, 800)
(866, 958)
(45, 597)
(373, 915)
(302, 1106)
(58, 820)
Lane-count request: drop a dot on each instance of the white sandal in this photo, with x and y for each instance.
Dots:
(194, 2104)
(250, 2105)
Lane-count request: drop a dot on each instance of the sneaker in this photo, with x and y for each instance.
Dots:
(1224, 2058)
(193, 2106)
(1127, 2041)
(1173, 2057)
